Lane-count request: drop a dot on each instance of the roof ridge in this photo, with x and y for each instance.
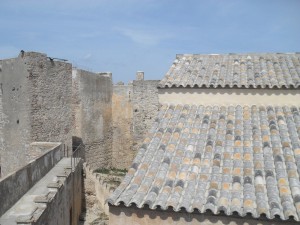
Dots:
(262, 70)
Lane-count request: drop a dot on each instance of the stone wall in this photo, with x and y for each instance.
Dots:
(134, 108)
(14, 82)
(36, 101)
(51, 92)
(44, 100)
(98, 188)
(92, 116)
(3, 120)
(145, 107)
(122, 116)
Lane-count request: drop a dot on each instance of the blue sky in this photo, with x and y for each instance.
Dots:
(124, 36)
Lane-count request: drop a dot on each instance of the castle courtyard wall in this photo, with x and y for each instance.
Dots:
(134, 107)
(122, 116)
(92, 116)
(51, 93)
(145, 107)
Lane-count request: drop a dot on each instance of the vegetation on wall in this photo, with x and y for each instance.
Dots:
(111, 171)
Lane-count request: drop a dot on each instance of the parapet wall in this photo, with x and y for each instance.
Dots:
(66, 204)
(92, 116)
(15, 185)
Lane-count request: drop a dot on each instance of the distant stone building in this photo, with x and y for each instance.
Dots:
(224, 147)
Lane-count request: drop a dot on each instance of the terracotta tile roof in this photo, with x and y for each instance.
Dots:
(270, 70)
(230, 159)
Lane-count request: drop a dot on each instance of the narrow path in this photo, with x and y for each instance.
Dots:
(29, 204)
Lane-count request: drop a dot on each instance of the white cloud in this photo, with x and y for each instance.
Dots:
(145, 37)
(87, 56)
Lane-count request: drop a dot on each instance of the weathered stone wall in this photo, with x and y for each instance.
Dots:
(36, 101)
(2, 122)
(122, 116)
(92, 116)
(145, 107)
(134, 107)
(45, 101)
(51, 92)
(14, 81)
(98, 188)
(76, 110)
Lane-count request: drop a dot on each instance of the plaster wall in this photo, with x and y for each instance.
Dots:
(16, 184)
(122, 116)
(92, 116)
(145, 107)
(229, 96)
(134, 216)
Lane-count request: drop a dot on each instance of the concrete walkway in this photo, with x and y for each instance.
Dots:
(34, 200)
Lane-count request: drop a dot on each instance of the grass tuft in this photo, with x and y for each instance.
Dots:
(111, 171)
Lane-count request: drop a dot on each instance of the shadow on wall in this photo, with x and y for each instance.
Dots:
(78, 148)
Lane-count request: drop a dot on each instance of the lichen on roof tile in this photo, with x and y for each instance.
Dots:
(229, 159)
(262, 70)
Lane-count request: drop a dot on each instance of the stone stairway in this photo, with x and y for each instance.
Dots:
(29, 208)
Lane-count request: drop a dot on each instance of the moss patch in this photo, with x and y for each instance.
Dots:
(111, 171)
